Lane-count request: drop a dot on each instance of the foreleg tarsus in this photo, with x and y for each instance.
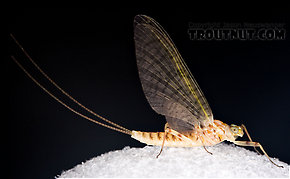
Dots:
(255, 144)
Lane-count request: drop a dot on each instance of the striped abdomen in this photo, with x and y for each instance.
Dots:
(199, 137)
(156, 138)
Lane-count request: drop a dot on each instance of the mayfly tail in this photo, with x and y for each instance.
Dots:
(116, 128)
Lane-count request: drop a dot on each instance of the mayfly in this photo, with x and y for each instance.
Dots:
(170, 89)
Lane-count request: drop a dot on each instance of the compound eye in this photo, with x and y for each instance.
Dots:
(235, 130)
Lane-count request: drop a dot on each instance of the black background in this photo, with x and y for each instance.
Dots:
(90, 53)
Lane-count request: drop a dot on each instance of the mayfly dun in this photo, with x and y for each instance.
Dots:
(170, 89)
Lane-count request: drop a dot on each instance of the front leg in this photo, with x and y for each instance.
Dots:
(254, 144)
(245, 129)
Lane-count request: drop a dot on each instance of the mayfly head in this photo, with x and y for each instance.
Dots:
(237, 131)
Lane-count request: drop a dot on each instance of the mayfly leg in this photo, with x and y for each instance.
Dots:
(166, 129)
(245, 129)
(206, 149)
(255, 144)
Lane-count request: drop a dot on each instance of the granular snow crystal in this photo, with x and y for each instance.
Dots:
(227, 161)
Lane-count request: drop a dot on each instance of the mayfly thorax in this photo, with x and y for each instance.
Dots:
(170, 89)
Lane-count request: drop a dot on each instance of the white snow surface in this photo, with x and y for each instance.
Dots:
(227, 161)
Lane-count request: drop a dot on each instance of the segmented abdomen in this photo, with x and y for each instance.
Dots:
(208, 136)
(156, 138)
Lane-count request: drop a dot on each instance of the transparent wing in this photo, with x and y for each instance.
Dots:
(169, 86)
